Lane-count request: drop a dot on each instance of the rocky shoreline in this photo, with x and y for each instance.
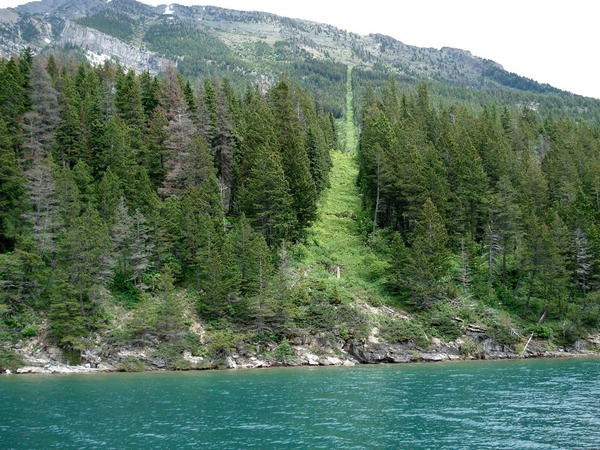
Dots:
(316, 350)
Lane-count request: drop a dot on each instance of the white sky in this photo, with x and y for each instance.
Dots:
(550, 41)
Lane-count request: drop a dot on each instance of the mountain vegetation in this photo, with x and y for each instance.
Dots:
(117, 188)
(496, 208)
(256, 47)
(259, 181)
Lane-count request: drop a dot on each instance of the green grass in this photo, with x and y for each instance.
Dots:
(349, 135)
(335, 238)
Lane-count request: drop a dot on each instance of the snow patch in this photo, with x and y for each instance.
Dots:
(46, 40)
(96, 58)
(168, 9)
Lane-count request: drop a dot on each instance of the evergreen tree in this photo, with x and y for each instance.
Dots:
(12, 192)
(41, 121)
(295, 160)
(85, 253)
(43, 214)
(428, 259)
(69, 144)
(180, 130)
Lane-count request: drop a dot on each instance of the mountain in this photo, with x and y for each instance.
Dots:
(256, 47)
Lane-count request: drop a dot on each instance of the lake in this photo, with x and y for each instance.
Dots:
(496, 404)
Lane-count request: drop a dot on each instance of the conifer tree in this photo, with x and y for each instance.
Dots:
(41, 121)
(69, 143)
(295, 160)
(267, 201)
(85, 253)
(12, 191)
(150, 88)
(180, 130)
(13, 95)
(428, 260)
(43, 214)
(108, 193)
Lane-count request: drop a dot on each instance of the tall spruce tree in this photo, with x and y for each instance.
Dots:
(296, 164)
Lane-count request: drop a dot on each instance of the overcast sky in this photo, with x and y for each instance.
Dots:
(550, 41)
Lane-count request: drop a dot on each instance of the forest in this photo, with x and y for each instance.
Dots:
(115, 188)
(497, 207)
(135, 209)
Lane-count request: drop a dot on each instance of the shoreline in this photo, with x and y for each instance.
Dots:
(82, 370)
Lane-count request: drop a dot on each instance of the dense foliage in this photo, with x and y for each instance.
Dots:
(118, 189)
(499, 207)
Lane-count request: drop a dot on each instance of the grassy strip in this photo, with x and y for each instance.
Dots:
(335, 240)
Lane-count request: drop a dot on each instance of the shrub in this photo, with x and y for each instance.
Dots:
(131, 364)
(470, 348)
(542, 330)
(222, 342)
(402, 331)
(9, 359)
(442, 319)
(503, 333)
(29, 331)
(284, 351)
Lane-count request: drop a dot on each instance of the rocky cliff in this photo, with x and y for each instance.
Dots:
(102, 46)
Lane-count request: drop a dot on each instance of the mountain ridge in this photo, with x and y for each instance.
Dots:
(255, 47)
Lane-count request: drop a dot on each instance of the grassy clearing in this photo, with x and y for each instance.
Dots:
(335, 239)
(348, 132)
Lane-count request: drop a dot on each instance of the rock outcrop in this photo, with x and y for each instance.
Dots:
(309, 350)
(101, 45)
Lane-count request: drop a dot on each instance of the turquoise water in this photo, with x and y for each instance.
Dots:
(511, 404)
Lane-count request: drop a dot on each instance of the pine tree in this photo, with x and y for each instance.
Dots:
(155, 151)
(108, 193)
(253, 258)
(505, 214)
(428, 260)
(582, 259)
(295, 160)
(116, 153)
(43, 214)
(180, 130)
(469, 184)
(141, 248)
(41, 121)
(266, 199)
(85, 253)
(69, 144)
(128, 101)
(67, 195)
(13, 95)
(12, 191)
(150, 88)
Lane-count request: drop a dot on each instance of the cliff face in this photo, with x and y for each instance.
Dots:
(41, 33)
(102, 46)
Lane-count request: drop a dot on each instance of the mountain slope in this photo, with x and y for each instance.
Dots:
(253, 47)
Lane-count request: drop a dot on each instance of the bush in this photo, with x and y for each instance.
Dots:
(29, 331)
(284, 352)
(131, 364)
(470, 348)
(402, 331)
(503, 333)
(501, 328)
(442, 319)
(568, 333)
(222, 343)
(541, 330)
(9, 360)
